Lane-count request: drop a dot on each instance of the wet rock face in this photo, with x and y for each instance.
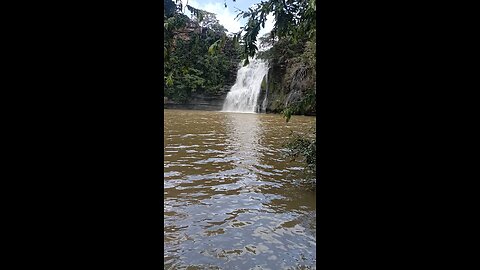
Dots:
(294, 96)
(287, 86)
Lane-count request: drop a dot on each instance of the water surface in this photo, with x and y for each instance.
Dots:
(232, 200)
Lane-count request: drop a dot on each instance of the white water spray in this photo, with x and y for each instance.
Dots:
(265, 100)
(243, 97)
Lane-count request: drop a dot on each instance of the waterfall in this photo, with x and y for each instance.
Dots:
(264, 103)
(243, 96)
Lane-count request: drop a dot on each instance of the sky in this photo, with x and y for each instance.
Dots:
(226, 15)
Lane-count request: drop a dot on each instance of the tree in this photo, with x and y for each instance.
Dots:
(199, 56)
(294, 20)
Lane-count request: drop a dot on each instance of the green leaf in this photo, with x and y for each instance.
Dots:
(212, 48)
(169, 80)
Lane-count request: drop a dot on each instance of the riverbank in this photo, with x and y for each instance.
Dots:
(206, 104)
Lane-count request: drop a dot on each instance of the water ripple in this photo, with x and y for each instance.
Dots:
(231, 201)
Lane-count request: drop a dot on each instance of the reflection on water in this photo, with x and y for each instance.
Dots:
(244, 132)
(230, 198)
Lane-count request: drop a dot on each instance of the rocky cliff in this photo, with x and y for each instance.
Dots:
(289, 86)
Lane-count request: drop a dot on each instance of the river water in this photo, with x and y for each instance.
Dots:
(232, 200)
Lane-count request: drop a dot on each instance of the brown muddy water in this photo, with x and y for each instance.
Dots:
(232, 200)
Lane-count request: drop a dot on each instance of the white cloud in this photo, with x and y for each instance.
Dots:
(226, 17)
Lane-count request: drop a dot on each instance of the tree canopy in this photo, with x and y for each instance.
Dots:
(295, 20)
(199, 56)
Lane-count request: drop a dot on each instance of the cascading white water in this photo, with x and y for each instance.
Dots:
(265, 100)
(243, 96)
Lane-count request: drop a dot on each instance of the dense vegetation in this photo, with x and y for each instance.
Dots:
(199, 56)
(304, 148)
(292, 56)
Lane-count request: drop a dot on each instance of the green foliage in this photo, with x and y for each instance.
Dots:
(287, 113)
(217, 46)
(293, 57)
(304, 148)
(294, 20)
(169, 80)
(199, 56)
